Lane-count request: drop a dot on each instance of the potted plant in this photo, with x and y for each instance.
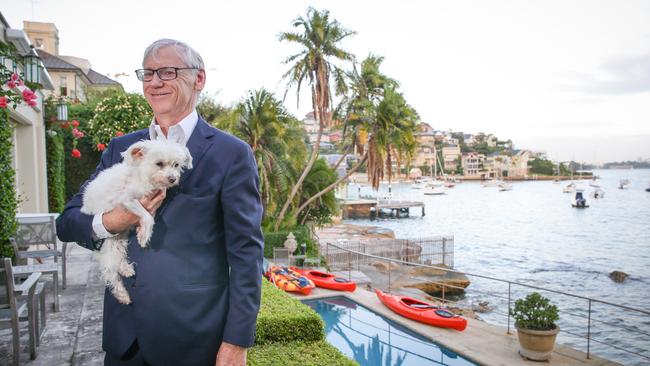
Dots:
(535, 319)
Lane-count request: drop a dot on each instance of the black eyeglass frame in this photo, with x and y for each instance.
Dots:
(139, 73)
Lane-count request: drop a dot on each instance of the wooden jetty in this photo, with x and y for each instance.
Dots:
(363, 208)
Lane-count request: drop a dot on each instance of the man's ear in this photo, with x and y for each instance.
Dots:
(135, 152)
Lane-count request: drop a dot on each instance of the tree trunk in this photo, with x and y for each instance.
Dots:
(332, 186)
(312, 159)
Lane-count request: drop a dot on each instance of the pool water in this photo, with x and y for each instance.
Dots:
(372, 340)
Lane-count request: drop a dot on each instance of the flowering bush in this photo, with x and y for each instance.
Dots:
(13, 92)
(117, 115)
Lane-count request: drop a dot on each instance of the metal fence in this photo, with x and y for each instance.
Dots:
(616, 331)
(428, 251)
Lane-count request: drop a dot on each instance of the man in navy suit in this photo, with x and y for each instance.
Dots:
(196, 291)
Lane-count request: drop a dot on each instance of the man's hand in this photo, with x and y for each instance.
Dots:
(231, 355)
(119, 219)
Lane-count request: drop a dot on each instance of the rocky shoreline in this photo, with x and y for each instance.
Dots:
(419, 282)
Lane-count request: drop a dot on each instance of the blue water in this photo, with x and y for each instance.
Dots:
(372, 340)
(532, 235)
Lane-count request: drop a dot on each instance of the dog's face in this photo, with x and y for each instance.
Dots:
(159, 162)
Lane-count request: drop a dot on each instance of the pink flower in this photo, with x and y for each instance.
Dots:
(75, 123)
(76, 153)
(101, 147)
(11, 84)
(31, 103)
(15, 77)
(3, 102)
(76, 133)
(28, 95)
(119, 133)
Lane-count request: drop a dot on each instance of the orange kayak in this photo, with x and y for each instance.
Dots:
(288, 280)
(422, 312)
(327, 280)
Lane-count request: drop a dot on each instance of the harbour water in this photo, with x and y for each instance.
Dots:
(532, 235)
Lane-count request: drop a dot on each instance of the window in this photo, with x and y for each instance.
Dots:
(63, 86)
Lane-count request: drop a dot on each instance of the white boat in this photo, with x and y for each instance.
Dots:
(569, 188)
(598, 193)
(503, 186)
(624, 184)
(490, 183)
(434, 188)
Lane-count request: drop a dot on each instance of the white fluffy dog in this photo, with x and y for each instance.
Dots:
(147, 166)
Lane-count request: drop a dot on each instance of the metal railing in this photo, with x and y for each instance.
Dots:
(615, 331)
(430, 251)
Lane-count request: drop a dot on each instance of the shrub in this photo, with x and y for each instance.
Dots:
(8, 202)
(277, 239)
(535, 312)
(297, 354)
(118, 113)
(285, 319)
(55, 169)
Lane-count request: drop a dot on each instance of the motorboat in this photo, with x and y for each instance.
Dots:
(624, 184)
(569, 188)
(490, 183)
(503, 186)
(434, 188)
(579, 201)
(598, 193)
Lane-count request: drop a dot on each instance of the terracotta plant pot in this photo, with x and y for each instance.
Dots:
(536, 345)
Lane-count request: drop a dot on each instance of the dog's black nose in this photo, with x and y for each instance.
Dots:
(171, 179)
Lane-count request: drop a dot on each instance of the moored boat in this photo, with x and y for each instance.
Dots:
(421, 311)
(288, 280)
(327, 280)
(579, 201)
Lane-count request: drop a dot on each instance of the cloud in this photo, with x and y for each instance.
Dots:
(619, 76)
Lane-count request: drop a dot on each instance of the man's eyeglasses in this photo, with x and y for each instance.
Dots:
(164, 73)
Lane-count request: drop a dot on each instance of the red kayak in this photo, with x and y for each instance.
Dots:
(422, 312)
(327, 280)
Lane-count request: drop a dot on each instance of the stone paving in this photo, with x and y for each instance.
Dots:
(72, 336)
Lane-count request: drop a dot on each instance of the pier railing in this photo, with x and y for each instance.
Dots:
(619, 332)
(429, 251)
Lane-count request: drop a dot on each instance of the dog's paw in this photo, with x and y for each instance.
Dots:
(122, 296)
(126, 269)
(144, 234)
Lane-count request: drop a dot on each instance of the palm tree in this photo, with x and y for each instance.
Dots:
(320, 38)
(264, 123)
(379, 120)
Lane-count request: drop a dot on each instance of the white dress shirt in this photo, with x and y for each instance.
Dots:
(180, 133)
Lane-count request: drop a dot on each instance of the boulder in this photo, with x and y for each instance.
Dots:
(618, 276)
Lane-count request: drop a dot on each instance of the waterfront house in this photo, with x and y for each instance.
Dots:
(451, 156)
(28, 140)
(74, 76)
(473, 165)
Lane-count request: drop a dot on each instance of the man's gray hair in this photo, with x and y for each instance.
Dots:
(190, 57)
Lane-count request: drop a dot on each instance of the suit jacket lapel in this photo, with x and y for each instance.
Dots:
(198, 144)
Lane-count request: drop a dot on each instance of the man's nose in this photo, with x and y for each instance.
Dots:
(156, 80)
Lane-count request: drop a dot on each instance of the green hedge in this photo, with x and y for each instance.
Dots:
(276, 240)
(283, 318)
(318, 353)
(8, 201)
(55, 169)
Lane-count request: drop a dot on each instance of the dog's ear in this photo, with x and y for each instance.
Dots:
(187, 162)
(135, 152)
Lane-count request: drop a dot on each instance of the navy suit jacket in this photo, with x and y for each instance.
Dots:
(199, 281)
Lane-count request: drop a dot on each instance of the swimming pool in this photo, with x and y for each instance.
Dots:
(373, 340)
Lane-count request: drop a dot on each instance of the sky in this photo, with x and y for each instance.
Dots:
(570, 78)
